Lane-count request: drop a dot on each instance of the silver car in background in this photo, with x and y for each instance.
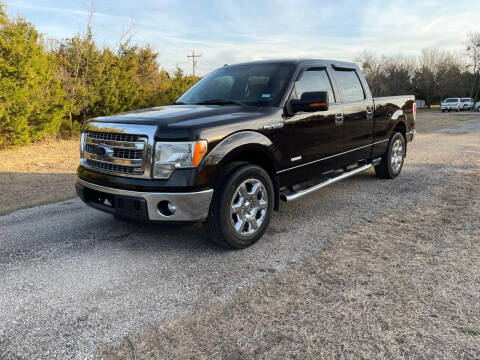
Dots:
(450, 104)
(467, 104)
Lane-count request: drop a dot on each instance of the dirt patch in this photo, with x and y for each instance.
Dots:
(429, 121)
(407, 285)
(38, 174)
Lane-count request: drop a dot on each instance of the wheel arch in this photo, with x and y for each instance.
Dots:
(400, 125)
(244, 146)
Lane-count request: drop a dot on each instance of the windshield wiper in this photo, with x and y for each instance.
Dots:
(178, 103)
(220, 102)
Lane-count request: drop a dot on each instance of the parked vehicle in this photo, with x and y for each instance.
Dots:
(466, 104)
(477, 106)
(420, 104)
(451, 104)
(239, 141)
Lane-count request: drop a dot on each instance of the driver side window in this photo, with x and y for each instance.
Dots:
(314, 79)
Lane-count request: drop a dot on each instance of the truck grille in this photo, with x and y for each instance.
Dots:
(117, 153)
(111, 167)
(112, 136)
(123, 153)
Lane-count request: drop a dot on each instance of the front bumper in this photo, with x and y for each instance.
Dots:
(190, 207)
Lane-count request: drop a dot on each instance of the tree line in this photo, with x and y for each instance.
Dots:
(51, 88)
(434, 75)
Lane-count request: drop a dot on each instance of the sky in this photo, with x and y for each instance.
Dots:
(230, 31)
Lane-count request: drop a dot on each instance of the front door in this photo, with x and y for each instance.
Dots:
(313, 139)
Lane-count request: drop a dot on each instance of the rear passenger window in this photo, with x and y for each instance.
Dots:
(350, 84)
(314, 79)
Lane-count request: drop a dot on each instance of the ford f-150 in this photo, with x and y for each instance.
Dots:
(241, 140)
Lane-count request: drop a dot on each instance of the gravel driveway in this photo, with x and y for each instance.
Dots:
(72, 278)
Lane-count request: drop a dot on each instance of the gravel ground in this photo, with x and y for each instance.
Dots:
(73, 279)
(389, 289)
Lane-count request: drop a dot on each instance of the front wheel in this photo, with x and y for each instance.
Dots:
(241, 207)
(392, 160)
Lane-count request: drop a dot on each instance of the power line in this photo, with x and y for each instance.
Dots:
(194, 60)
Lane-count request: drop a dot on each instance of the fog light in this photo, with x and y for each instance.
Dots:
(172, 207)
(166, 208)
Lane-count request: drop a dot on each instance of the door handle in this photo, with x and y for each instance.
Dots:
(338, 119)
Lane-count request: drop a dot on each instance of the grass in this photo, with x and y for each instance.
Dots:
(376, 292)
(37, 174)
(431, 121)
(469, 331)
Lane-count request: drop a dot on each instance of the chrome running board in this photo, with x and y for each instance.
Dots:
(305, 190)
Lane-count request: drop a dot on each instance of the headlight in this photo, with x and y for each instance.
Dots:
(172, 155)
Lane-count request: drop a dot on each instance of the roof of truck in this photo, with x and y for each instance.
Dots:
(295, 61)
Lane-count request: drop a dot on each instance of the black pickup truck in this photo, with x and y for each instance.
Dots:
(241, 140)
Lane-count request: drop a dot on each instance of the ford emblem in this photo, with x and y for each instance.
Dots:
(100, 150)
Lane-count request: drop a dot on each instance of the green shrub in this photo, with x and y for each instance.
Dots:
(32, 102)
(46, 93)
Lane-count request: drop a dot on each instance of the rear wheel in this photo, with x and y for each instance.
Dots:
(392, 160)
(241, 208)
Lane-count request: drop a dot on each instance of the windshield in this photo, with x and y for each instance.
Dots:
(451, 100)
(466, 99)
(247, 84)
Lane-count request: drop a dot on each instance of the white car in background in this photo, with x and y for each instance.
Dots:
(476, 107)
(467, 104)
(450, 104)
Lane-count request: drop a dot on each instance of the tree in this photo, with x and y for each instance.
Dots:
(179, 84)
(32, 102)
(386, 75)
(473, 54)
(54, 90)
(78, 72)
(434, 75)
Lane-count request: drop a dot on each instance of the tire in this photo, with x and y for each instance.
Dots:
(393, 159)
(443, 110)
(241, 207)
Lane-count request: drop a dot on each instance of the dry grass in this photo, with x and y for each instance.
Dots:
(49, 156)
(433, 120)
(376, 292)
(37, 174)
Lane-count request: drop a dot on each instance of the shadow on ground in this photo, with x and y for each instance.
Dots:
(22, 190)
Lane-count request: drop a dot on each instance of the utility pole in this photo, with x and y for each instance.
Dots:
(194, 60)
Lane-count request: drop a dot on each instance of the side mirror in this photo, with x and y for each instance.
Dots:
(310, 102)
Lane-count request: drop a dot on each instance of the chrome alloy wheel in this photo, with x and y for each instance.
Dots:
(249, 207)
(397, 155)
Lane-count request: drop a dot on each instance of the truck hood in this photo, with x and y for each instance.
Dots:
(185, 115)
(188, 122)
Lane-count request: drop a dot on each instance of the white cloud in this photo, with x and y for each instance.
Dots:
(242, 30)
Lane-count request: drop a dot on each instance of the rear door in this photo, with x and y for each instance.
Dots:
(358, 122)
